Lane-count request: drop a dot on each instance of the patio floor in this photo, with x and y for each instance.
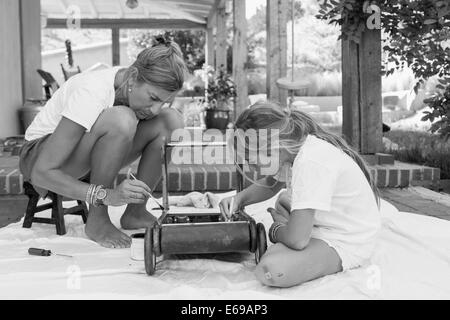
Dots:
(408, 200)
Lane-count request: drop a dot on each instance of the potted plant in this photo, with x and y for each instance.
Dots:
(220, 94)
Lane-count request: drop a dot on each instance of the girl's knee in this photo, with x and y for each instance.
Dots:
(270, 273)
(284, 198)
(283, 202)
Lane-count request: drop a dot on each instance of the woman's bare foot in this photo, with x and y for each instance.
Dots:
(100, 229)
(136, 217)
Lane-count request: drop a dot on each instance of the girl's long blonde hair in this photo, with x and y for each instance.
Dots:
(294, 126)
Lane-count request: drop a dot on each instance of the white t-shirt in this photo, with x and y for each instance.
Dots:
(326, 179)
(81, 99)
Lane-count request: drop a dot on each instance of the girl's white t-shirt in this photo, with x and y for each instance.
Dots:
(81, 99)
(326, 179)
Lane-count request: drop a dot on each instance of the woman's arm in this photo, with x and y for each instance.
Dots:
(297, 232)
(47, 171)
(265, 189)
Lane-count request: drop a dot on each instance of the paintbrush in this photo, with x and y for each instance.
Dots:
(134, 178)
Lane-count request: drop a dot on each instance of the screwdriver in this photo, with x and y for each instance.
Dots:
(45, 253)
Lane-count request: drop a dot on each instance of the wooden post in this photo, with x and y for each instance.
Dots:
(240, 57)
(210, 53)
(210, 45)
(30, 23)
(11, 67)
(115, 35)
(276, 22)
(361, 92)
(221, 38)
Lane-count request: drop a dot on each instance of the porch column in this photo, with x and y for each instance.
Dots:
(115, 36)
(209, 52)
(11, 67)
(30, 23)
(276, 24)
(361, 92)
(240, 57)
(221, 37)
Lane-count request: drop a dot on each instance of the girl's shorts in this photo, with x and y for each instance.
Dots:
(351, 257)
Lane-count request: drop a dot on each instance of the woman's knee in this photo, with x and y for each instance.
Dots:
(119, 121)
(172, 119)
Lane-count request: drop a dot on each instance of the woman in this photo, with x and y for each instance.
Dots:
(99, 122)
(329, 221)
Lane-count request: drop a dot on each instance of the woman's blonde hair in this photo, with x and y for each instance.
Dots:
(294, 126)
(161, 65)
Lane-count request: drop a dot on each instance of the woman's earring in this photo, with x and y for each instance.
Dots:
(129, 90)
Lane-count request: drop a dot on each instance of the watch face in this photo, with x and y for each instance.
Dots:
(101, 195)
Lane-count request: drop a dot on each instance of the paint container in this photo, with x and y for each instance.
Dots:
(137, 246)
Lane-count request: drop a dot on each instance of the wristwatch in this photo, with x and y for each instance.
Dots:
(100, 197)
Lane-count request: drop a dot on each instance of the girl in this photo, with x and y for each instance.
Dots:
(97, 123)
(328, 222)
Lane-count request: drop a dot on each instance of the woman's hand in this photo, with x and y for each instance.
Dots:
(278, 216)
(129, 191)
(228, 206)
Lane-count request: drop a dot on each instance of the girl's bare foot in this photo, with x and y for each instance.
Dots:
(100, 229)
(136, 217)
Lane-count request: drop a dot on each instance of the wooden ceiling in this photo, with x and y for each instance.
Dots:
(148, 13)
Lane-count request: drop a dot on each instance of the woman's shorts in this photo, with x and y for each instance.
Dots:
(28, 156)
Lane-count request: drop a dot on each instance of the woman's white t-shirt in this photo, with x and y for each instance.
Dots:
(326, 179)
(81, 99)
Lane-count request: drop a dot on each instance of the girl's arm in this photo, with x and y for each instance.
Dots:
(297, 232)
(264, 190)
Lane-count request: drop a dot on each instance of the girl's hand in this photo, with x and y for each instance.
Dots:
(226, 203)
(277, 216)
(129, 191)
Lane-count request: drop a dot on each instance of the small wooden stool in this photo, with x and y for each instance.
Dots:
(58, 212)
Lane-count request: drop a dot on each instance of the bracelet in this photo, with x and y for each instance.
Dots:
(94, 195)
(88, 193)
(91, 193)
(273, 231)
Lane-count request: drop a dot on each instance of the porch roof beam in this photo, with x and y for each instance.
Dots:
(208, 3)
(128, 24)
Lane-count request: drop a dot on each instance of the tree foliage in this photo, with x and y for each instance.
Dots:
(191, 42)
(418, 34)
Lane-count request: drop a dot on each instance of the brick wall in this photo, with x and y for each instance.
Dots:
(186, 178)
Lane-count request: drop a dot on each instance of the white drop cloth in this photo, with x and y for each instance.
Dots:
(412, 260)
